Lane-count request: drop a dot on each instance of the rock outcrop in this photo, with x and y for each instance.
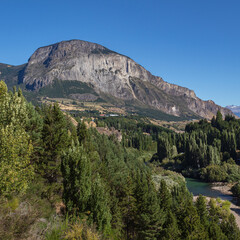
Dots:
(111, 73)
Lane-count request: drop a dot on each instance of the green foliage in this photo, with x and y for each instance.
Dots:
(15, 169)
(170, 228)
(213, 173)
(208, 150)
(230, 228)
(76, 171)
(128, 208)
(82, 132)
(90, 186)
(164, 197)
(164, 147)
(148, 217)
(216, 233)
(63, 89)
(236, 189)
(136, 132)
(99, 208)
(15, 144)
(202, 210)
(55, 139)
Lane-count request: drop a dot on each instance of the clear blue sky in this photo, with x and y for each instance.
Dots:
(192, 43)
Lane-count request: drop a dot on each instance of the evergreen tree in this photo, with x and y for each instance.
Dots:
(164, 197)
(230, 228)
(99, 207)
(128, 208)
(76, 171)
(202, 210)
(55, 140)
(82, 132)
(34, 125)
(190, 223)
(219, 120)
(149, 219)
(215, 232)
(170, 228)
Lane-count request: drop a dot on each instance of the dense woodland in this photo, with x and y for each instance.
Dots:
(207, 150)
(58, 181)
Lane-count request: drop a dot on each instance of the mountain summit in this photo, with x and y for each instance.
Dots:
(112, 74)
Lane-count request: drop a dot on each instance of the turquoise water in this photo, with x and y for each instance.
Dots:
(197, 187)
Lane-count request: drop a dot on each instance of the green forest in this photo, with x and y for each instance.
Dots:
(207, 150)
(61, 181)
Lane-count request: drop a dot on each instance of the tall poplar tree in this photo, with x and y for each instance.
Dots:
(15, 144)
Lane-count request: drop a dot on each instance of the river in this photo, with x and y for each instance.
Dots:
(197, 187)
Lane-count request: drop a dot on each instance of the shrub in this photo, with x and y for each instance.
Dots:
(236, 190)
(213, 173)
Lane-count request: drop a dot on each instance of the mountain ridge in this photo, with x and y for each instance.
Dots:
(111, 73)
(235, 109)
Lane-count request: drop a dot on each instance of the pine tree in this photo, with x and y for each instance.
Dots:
(33, 127)
(82, 132)
(230, 228)
(76, 171)
(219, 120)
(128, 208)
(149, 218)
(215, 232)
(55, 140)
(202, 209)
(99, 207)
(170, 228)
(164, 197)
(190, 223)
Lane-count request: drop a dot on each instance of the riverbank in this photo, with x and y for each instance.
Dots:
(225, 189)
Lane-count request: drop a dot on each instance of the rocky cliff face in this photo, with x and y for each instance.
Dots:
(114, 74)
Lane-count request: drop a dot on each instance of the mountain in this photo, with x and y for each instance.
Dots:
(88, 68)
(234, 109)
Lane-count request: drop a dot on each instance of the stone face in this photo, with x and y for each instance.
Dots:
(111, 73)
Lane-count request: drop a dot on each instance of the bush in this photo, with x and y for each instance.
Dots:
(80, 230)
(236, 190)
(213, 173)
(16, 218)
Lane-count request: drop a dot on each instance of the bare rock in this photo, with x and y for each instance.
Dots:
(114, 74)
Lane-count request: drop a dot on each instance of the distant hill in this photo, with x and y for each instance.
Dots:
(85, 71)
(234, 109)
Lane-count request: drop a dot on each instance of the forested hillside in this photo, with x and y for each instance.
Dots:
(58, 181)
(207, 150)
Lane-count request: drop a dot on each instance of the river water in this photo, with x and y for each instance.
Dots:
(197, 187)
